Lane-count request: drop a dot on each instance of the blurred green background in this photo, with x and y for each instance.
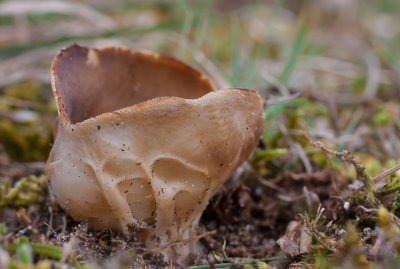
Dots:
(341, 57)
(328, 68)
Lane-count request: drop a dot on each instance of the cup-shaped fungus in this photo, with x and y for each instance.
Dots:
(144, 141)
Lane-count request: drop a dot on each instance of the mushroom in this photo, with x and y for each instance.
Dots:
(144, 141)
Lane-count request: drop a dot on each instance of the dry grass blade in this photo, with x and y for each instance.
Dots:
(312, 225)
(279, 100)
(183, 241)
(23, 7)
(271, 185)
(297, 149)
(369, 210)
(386, 173)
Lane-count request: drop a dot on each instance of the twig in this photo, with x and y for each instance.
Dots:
(332, 174)
(369, 210)
(381, 176)
(384, 174)
(182, 241)
(361, 171)
(271, 185)
(387, 191)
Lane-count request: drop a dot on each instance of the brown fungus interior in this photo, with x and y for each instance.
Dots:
(91, 82)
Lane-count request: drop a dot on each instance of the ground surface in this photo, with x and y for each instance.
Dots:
(329, 71)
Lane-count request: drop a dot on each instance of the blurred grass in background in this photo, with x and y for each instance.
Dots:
(340, 55)
(340, 58)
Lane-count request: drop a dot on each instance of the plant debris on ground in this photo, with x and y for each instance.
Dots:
(321, 190)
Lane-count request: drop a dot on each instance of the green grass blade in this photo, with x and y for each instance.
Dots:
(3, 228)
(350, 129)
(200, 37)
(295, 51)
(187, 25)
(235, 265)
(23, 251)
(249, 70)
(47, 250)
(235, 79)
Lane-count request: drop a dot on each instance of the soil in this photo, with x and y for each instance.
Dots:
(245, 219)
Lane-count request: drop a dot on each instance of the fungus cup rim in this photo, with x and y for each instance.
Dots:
(140, 106)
